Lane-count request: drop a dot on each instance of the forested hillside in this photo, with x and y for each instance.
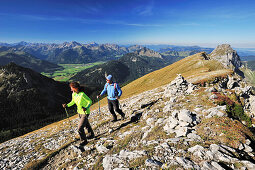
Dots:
(27, 60)
(28, 100)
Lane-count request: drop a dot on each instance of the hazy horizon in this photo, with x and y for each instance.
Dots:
(185, 45)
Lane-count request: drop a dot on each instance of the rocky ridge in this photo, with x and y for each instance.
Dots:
(173, 126)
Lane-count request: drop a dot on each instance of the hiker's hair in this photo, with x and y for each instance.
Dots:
(77, 86)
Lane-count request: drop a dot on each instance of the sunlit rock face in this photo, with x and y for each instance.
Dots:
(226, 55)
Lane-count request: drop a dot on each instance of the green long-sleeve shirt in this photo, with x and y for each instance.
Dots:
(82, 101)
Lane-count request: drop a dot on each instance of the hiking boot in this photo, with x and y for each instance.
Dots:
(83, 143)
(91, 136)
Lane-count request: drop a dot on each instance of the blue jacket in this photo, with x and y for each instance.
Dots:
(109, 88)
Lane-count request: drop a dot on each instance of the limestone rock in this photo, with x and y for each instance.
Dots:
(207, 166)
(101, 148)
(216, 111)
(170, 125)
(185, 116)
(153, 163)
(226, 55)
(247, 148)
(195, 148)
(214, 148)
(109, 161)
(247, 142)
(248, 164)
(151, 121)
(211, 89)
(185, 163)
(131, 155)
(213, 96)
(232, 83)
(194, 136)
(181, 131)
(216, 165)
(179, 86)
(252, 104)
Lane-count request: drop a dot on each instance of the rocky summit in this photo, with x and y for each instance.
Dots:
(147, 52)
(176, 126)
(226, 55)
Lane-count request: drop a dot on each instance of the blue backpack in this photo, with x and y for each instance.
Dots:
(115, 89)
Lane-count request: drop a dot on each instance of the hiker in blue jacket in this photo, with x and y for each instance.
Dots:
(114, 92)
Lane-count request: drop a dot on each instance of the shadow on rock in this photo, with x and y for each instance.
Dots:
(134, 119)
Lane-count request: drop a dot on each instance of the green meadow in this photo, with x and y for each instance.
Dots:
(69, 71)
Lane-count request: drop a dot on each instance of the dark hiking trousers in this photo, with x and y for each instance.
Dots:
(114, 105)
(84, 122)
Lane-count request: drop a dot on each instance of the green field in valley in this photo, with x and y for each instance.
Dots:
(69, 71)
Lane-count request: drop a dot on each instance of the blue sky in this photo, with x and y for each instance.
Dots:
(177, 22)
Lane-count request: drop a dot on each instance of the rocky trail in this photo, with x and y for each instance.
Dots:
(179, 125)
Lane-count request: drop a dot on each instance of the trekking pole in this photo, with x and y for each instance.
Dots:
(98, 106)
(69, 120)
(120, 106)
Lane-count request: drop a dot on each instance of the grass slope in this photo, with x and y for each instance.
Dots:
(249, 74)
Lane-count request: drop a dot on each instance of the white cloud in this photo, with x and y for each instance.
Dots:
(145, 10)
(188, 24)
(144, 25)
(81, 20)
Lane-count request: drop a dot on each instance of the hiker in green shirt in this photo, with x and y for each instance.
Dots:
(83, 103)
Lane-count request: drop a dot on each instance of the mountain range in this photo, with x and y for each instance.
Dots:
(73, 52)
(84, 53)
